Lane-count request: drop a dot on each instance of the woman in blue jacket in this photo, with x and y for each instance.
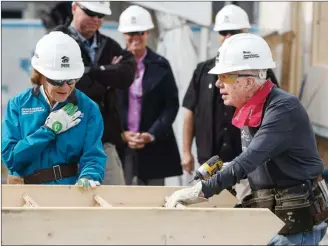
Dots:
(51, 133)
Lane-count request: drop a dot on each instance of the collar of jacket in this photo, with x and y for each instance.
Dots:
(72, 98)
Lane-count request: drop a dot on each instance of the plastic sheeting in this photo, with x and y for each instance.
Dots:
(196, 12)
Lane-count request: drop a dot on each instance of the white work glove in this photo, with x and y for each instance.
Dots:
(63, 119)
(225, 164)
(87, 183)
(186, 196)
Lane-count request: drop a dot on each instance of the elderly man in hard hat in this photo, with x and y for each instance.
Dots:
(51, 133)
(149, 108)
(206, 117)
(108, 68)
(280, 159)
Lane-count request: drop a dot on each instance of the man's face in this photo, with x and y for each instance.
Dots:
(234, 90)
(136, 41)
(222, 38)
(87, 25)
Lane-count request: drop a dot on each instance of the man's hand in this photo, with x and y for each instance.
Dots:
(187, 162)
(116, 59)
(63, 119)
(186, 196)
(87, 183)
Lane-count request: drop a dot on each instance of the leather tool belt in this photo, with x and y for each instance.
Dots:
(54, 173)
(300, 207)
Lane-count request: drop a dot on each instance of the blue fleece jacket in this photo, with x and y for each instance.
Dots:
(28, 146)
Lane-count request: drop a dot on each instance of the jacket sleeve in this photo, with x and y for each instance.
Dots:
(120, 75)
(93, 159)
(17, 152)
(190, 99)
(170, 110)
(273, 137)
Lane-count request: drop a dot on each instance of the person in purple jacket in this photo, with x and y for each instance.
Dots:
(149, 108)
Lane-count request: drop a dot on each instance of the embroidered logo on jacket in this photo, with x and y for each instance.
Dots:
(32, 110)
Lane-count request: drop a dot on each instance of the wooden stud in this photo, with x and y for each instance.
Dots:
(101, 201)
(29, 202)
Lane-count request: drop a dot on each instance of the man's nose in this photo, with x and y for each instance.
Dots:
(219, 84)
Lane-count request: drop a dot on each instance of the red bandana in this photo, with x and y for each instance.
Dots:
(251, 113)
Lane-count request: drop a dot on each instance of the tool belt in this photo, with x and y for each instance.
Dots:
(300, 207)
(54, 173)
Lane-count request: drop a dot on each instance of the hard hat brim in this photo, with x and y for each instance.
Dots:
(105, 11)
(135, 28)
(230, 27)
(58, 74)
(220, 69)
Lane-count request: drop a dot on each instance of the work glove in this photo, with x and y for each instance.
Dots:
(186, 196)
(63, 119)
(87, 183)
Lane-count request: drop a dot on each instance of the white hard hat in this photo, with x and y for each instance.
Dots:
(231, 17)
(57, 56)
(102, 7)
(135, 19)
(243, 51)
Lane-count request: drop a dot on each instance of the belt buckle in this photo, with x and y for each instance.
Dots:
(59, 172)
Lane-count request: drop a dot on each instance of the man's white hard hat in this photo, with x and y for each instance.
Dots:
(244, 51)
(135, 19)
(102, 7)
(57, 56)
(231, 17)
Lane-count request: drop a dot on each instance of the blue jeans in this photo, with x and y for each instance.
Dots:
(304, 238)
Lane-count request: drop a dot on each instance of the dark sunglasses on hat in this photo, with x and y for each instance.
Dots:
(90, 13)
(62, 82)
(135, 33)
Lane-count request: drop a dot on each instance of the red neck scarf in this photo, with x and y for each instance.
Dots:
(251, 113)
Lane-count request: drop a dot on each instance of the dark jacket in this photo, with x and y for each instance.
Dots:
(100, 83)
(160, 105)
(283, 152)
(214, 133)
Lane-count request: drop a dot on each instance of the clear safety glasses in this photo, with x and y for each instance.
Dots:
(231, 78)
(62, 82)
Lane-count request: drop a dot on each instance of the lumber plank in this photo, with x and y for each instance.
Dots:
(117, 196)
(138, 226)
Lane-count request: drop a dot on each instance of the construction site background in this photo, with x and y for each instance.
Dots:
(296, 32)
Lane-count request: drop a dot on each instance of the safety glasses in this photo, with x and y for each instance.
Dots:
(90, 13)
(60, 83)
(135, 33)
(231, 78)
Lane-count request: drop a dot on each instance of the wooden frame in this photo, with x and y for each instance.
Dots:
(127, 215)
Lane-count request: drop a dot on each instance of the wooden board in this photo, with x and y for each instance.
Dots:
(117, 196)
(138, 226)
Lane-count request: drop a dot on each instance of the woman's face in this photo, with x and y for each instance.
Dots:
(136, 41)
(58, 93)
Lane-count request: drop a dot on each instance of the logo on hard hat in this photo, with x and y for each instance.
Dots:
(65, 61)
(226, 19)
(133, 20)
(249, 55)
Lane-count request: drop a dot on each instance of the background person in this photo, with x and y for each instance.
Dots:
(149, 108)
